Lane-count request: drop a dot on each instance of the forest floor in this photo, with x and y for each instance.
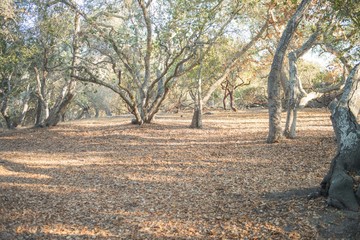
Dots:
(107, 179)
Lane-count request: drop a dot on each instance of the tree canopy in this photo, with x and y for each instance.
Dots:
(148, 53)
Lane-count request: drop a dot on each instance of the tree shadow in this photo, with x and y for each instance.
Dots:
(131, 182)
(330, 223)
(291, 194)
(101, 207)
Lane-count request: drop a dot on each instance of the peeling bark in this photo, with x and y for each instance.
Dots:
(337, 185)
(290, 126)
(274, 80)
(296, 91)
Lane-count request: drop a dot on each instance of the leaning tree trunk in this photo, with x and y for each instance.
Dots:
(274, 80)
(296, 91)
(338, 185)
(62, 104)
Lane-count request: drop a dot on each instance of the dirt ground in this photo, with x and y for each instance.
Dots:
(107, 179)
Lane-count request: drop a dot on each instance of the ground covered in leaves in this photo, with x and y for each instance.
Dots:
(108, 179)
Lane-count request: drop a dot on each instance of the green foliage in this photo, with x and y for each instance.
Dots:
(251, 95)
(6, 10)
(114, 37)
(307, 71)
(285, 2)
(325, 78)
(15, 55)
(348, 9)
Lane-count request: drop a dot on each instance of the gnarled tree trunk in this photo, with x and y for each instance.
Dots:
(296, 91)
(43, 102)
(5, 113)
(5, 91)
(25, 106)
(290, 125)
(274, 80)
(68, 90)
(338, 184)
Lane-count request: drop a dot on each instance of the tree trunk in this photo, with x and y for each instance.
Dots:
(60, 108)
(224, 99)
(290, 126)
(38, 113)
(43, 112)
(296, 91)
(25, 107)
(84, 112)
(97, 111)
(197, 117)
(107, 111)
(5, 113)
(4, 109)
(338, 185)
(307, 97)
(43, 105)
(274, 80)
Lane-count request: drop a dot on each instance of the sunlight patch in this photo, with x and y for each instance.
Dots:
(64, 230)
(59, 189)
(9, 173)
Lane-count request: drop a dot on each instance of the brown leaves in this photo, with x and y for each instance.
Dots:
(106, 179)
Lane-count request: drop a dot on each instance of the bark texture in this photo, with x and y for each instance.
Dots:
(5, 91)
(197, 117)
(69, 89)
(338, 184)
(296, 91)
(274, 80)
(42, 95)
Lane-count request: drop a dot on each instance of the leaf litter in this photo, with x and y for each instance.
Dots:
(107, 179)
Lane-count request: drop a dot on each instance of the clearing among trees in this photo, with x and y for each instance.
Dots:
(108, 179)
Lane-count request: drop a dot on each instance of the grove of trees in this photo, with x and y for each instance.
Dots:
(68, 59)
